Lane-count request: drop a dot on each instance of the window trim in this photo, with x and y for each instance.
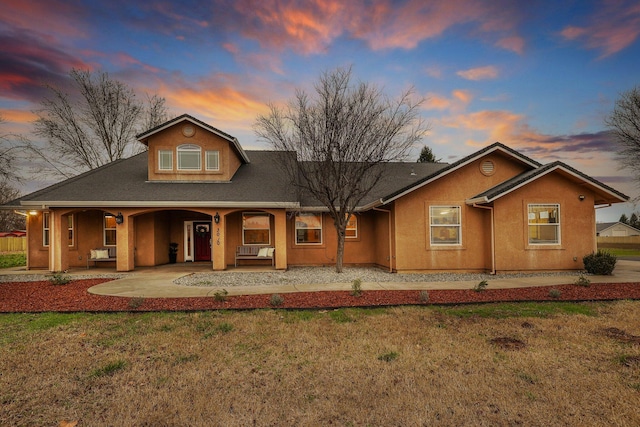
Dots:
(268, 228)
(206, 157)
(556, 224)
(432, 226)
(160, 153)
(189, 148)
(296, 228)
(71, 230)
(356, 236)
(46, 229)
(104, 230)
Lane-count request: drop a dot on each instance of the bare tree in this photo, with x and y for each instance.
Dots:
(7, 156)
(624, 123)
(8, 219)
(94, 126)
(342, 136)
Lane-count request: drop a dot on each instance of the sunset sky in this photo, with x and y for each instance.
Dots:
(538, 76)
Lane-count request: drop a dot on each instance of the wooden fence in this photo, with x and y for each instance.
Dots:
(13, 244)
(628, 242)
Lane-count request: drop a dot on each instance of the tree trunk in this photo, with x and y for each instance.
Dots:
(340, 253)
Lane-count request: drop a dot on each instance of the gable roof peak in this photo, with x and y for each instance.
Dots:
(144, 136)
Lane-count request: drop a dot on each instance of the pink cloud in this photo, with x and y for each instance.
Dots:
(480, 73)
(125, 59)
(611, 29)
(457, 102)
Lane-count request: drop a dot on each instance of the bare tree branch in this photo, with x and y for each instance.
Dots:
(624, 123)
(342, 136)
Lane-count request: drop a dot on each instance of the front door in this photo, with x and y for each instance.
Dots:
(202, 241)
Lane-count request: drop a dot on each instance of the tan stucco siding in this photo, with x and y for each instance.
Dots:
(172, 137)
(414, 250)
(577, 226)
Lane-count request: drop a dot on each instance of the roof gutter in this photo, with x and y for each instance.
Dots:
(161, 204)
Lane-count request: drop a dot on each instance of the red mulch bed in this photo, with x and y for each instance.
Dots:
(32, 297)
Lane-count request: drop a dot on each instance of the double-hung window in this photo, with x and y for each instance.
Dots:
(256, 229)
(165, 160)
(544, 224)
(109, 230)
(445, 225)
(351, 231)
(308, 228)
(189, 157)
(212, 160)
(46, 229)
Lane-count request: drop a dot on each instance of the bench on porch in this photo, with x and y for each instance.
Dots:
(253, 252)
(101, 255)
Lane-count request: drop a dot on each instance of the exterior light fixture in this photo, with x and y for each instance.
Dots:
(119, 218)
(581, 197)
(216, 218)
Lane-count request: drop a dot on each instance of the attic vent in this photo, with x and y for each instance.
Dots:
(487, 167)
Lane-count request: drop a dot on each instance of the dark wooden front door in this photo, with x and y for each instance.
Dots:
(202, 241)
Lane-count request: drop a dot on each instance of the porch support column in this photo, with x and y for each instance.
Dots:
(125, 234)
(58, 242)
(280, 220)
(218, 241)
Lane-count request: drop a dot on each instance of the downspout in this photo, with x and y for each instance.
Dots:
(390, 238)
(493, 238)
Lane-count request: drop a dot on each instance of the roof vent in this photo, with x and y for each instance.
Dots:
(487, 167)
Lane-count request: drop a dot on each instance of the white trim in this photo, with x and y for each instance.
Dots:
(461, 165)
(188, 241)
(557, 224)
(176, 204)
(295, 229)
(188, 149)
(206, 160)
(432, 225)
(160, 153)
(47, 229)
(104, 229)
(268, 215)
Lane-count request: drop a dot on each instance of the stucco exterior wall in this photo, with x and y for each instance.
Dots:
(577, 226)
(172, 137)
(414, 250)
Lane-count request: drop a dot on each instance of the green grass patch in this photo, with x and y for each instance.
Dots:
(520, 309)
(13, 260)
(108, 369)
(623, 252)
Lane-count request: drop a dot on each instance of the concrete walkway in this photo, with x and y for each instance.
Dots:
(157, 282)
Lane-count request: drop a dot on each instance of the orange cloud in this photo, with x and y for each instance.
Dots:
(458, 101)
(480, 73)
(610, 30)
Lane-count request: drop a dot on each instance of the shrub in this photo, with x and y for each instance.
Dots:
(221, 296)
(555, 293)
(59, 278)
(423, 296)
(481, 286)
(600, 263)
(135, 302)
(356, 288)
(276, 300)
(582, 281)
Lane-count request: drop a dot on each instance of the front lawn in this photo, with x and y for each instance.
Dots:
(13, 259)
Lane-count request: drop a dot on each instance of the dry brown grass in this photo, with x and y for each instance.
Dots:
(404, 366)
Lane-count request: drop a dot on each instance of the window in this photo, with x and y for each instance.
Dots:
(352, 227)
(445, 225)
(109, 230)
(213, 160)
(256, 229)
(46, 227)
(70, 229)
(544, 224)
(308, 228)
(189, 157)
(165, 160)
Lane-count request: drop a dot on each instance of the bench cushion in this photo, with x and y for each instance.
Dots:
(263, 252)
(102, 254)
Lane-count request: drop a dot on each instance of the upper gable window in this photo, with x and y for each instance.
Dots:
(213, 160)
(189, 157)
(165, 160)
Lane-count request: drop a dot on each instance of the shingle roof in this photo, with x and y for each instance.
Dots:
(529, 176)
(125, 182)
(602, 226)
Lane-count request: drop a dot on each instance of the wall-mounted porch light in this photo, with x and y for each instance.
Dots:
(119, 218)
(216, 218)
(581, 197)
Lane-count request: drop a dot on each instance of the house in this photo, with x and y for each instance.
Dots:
(493, 211)
(615, 229)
